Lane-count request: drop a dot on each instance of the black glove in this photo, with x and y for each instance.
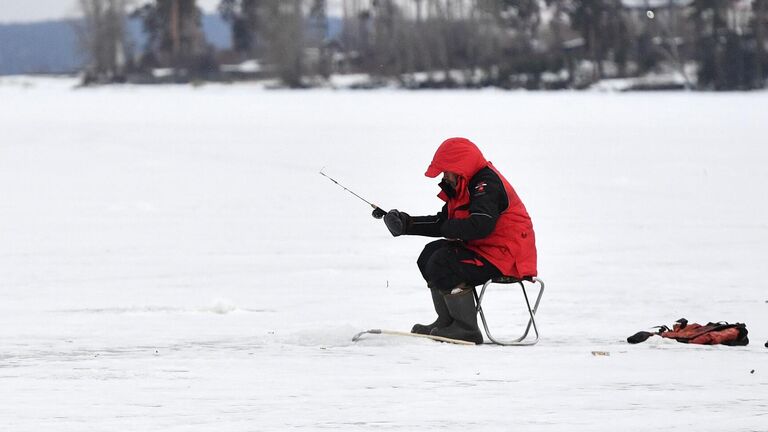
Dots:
(378, 213)
(397, 222)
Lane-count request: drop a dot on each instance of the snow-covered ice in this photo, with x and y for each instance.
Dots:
(170, 260)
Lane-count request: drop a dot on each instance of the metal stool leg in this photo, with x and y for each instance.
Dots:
(531, 312)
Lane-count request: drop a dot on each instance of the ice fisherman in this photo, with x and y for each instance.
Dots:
(486, 233)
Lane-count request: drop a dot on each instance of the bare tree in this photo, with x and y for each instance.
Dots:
(318, 37)
(289, 36)
(760, 8)
(102, 35)
(283, 35)
(244, 17)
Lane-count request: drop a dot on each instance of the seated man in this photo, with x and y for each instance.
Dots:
(487, 233)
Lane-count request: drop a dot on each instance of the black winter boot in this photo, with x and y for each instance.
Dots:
(443, 316)
(462, 308)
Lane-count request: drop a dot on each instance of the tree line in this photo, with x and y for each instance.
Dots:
(532, 44)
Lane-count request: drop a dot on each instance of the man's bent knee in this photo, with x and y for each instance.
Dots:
(426, 254)
(440, 271)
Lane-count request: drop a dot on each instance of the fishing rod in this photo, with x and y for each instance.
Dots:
(378, 212)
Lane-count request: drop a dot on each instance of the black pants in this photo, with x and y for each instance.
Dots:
(444, 264)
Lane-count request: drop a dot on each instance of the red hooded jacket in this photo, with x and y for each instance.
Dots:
(511, 246)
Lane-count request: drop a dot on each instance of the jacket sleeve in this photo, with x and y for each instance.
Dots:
(485, 205)
(428, 226)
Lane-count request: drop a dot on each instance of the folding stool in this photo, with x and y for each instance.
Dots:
(521, 341)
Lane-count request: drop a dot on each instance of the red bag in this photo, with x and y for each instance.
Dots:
(720, 333)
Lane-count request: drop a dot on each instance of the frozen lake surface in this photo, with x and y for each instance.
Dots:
(172, 261)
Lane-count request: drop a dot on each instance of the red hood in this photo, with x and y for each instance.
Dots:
(457, 155)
